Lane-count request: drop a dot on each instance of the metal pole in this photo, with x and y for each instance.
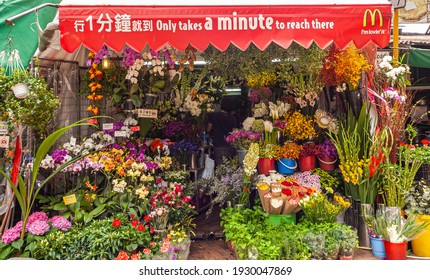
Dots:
(9, 21)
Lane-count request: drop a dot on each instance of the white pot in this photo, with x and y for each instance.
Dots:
(20, 90)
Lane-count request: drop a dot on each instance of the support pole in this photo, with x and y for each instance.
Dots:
(396, 35)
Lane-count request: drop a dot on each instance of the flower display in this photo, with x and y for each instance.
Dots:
(327, 150)
(257, 95)
(261, 79)
(318, 209)
(289, 149)
(325, 121)
(395, 72)
(241, 139)
(308, 179)
(344, 66)
(300, 127)
(309, 149)
(249, 165)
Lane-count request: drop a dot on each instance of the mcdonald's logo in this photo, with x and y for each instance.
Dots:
(372, 17)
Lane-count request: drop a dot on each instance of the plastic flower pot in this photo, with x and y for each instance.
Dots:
(395, 251)
(265, 165)
(378, 248)
(421, 244)
(307, 163)
(286, 165)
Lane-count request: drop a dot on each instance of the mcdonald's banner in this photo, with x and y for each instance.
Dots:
(222, 23)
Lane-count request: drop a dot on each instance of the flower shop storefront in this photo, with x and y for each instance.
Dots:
(135, 182)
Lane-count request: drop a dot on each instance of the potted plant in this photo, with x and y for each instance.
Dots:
(267, 158)
(418, 201)
(307, 156)
(327, 155)
(36, 110)
(286, 156)
(397, 231)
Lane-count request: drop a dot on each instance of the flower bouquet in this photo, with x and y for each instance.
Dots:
(240, 139)
(159, 217)
(300, 127)
(290, 149)
(318, 209)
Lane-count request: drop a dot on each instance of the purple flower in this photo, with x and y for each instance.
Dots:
(38, 227)
(327, 150)
(61, 223)
(37, 216)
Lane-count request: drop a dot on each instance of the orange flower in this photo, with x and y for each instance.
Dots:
(122, 256)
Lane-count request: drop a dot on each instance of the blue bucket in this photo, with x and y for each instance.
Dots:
(286, 165)
(378, 247)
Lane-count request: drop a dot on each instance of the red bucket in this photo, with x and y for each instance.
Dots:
(327, 164)
(265, 165)
(307, 163)
(395, 251)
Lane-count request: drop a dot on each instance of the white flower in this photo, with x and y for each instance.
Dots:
(247, 123)
(268, 126)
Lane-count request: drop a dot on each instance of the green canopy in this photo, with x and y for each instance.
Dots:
(419, 58)
(24, 33)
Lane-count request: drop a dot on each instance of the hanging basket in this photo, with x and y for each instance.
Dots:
(20, 90)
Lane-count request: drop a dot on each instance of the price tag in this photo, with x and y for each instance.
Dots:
(72, 141)
(107, 126)
(147, 113)
(69, 199)
(3, 128)
(120, 133)
(134, 128)
(4, 141)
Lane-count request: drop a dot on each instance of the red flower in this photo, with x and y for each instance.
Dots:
(178, 188)
(287, 183)
(158, 180)
(132, 216)
(116, 223)
(151, 230)
(134, 223)
(286, 191)
(186, 199)
(140, 228)
(425, 142)
(147, 218)
(402, 143)
(179, 204)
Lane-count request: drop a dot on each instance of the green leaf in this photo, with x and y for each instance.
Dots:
(134, 88)
(59, 207)
(87, 217)
(97, 211)
(79, 217)
(6, 253)
(17, 244)
(159, 84)
(131, 247)
(137, 101)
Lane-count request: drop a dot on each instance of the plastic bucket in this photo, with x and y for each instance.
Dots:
(307, 163)
(421, 244)
(241, 156)
(279, 219)
(265, 165)
(395, 251)
(327, 164)
(378, 248)
(286, 165)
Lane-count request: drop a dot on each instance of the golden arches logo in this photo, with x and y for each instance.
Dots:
(372, 17)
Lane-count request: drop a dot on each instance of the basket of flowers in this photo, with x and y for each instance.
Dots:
(286, 156)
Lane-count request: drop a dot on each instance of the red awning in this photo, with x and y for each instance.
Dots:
(241, 25)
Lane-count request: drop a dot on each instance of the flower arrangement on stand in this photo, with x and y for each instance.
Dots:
(318, 209)
(327, 155)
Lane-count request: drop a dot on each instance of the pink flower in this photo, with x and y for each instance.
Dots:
(38, 227)
(10, 235)
(37, 216)
(61, 223)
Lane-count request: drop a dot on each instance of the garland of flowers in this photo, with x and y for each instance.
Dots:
(96, 76)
